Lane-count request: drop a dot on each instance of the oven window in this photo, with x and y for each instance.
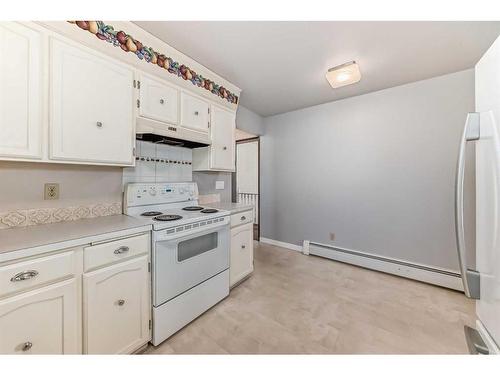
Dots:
(196, 246)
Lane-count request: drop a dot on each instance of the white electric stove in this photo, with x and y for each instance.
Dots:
(190, 252)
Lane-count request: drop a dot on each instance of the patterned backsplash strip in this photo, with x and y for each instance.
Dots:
(37, 216)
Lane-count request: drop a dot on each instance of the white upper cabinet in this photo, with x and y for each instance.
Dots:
(91, 106)
(194, 113)
(158, 100)
(21, 91)
(223, 139)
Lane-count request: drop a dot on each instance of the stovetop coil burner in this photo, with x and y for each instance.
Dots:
(209, 211)
(193, 208)
(151, 213)
(167, 217)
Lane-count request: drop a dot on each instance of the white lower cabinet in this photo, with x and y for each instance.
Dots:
(117, 307)
(241, 259)
(42, 321)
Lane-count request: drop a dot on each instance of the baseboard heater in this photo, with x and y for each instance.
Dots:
(431, 275)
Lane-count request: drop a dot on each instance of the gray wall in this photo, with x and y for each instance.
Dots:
(249, 121)
(377, 170)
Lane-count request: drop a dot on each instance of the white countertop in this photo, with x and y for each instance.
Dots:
(228, 206)
(51, 237)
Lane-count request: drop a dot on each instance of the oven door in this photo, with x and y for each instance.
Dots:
(182, 263)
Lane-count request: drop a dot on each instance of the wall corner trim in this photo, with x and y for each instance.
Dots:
(285, 245)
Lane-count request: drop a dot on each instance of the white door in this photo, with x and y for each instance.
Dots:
(241, 264)
(223, 125)
(42, 321)
(158, 101)
(487, 77)
(194, 113)
(91, 106)
(21, 91)
(117, 308)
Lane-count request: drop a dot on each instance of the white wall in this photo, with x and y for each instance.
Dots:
(249, 121)
(377, 170)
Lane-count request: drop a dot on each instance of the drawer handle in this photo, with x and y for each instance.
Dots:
(162, 101)
(121, 302)
(99, 124)
(27, 346)
(121, 250)
(243, 217)
(243, 246)
(224, 148)
(26, 275)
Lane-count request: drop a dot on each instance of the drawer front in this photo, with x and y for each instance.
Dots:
(110, 252)
(31, 273)
(241, 218)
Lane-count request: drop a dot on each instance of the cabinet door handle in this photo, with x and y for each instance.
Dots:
(121, 250)
(243, 246)
(121, 302)
(243, 217)
(162, 101)
(27, 346)
(25, 275)
(196, 113)
(224, 148)
(99, 124)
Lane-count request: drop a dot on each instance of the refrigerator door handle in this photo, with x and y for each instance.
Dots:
(470, 278)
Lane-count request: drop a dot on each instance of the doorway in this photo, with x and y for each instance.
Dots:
(246, 178)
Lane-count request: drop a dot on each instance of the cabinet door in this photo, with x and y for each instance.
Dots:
(241, 262)
(223, 139)
(194, 113)
(43, 321)
(21, 91)
(159, 101)
(91, 106)
(117, 308)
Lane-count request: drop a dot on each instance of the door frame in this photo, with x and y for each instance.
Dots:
(234, 192)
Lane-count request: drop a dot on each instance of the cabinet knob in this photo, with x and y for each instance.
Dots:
(224, 148)
(26, 275)
(243, 246)
(27, 346)
(196, 113)
(121, 250)
(121, 302)
(243, 217)
(99, 124)
(162, 101)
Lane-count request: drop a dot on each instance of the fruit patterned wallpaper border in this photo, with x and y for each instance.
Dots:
(37, 216)
(128, 44)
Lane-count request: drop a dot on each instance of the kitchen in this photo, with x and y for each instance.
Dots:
(123, 229)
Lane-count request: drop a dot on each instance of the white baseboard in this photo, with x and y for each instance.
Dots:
(286, 245)
(431, 275)
(492, 346)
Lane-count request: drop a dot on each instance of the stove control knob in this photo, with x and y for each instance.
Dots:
(152, 191)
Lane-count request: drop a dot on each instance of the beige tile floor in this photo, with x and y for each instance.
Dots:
(305, 304)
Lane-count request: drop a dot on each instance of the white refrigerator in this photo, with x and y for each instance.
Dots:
(483, 283)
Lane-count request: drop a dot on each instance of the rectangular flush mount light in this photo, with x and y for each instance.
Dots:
(342, 75)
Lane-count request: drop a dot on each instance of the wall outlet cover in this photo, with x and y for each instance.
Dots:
(51, 191)
(219, 185)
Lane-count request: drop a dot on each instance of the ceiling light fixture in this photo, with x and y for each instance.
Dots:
(342, 75)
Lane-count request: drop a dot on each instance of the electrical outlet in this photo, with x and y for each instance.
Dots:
(219, 185)
(51, 191)
(332, 236)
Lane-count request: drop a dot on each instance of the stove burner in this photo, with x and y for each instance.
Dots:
(193, 208)
(151, 213)
(209, 210)
(167, 217)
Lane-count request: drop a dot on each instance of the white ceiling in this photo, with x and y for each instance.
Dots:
(281, 66)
